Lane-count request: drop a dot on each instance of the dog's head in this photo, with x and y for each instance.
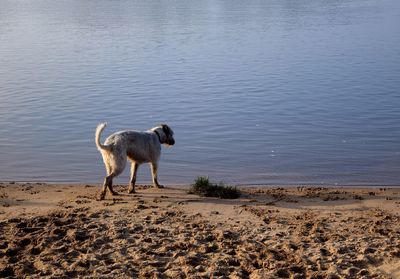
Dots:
(165, 134)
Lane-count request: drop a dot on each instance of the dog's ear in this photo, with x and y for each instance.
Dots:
(166, 129)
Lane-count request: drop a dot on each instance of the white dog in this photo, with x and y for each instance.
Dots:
(138, 147)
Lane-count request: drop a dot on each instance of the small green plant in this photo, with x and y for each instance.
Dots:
(203, 187)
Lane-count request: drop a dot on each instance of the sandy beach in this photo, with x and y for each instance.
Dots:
(62, 231)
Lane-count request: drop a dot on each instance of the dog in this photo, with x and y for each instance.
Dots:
(139, 147)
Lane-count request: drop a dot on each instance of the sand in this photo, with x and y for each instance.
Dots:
(61, 231)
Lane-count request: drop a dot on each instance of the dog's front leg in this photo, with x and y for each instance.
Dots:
(134, 168)
(154, 168)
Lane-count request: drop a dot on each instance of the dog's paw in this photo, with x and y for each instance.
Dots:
(101, 196)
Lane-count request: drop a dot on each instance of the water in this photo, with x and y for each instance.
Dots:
(257, 92)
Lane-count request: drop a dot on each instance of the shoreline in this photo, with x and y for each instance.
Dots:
(187, 185)
(60, 230)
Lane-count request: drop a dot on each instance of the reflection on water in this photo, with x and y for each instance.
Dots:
(257, 92)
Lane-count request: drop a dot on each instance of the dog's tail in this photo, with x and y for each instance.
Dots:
(100, 129)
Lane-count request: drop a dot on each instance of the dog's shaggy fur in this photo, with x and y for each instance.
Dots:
(138, 147)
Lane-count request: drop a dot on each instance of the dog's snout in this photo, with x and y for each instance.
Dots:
(172, 142)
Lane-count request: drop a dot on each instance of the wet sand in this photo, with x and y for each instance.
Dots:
(62, 231)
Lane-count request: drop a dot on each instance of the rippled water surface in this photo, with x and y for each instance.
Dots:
(258, 91)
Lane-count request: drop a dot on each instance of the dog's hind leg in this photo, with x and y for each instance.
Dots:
(103, 190)
(154, 169)
(106, 184)
(106, 179)
(109, 181)
(117, 166)
(132, 182)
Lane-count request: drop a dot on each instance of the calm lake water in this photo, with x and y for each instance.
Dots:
(257, 92)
